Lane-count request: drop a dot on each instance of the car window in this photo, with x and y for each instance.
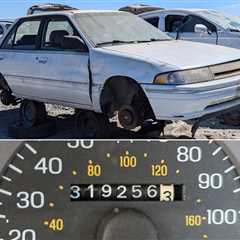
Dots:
(55, 32)
(25, 37)
(154, 21)
(173, 22)
(194, 20)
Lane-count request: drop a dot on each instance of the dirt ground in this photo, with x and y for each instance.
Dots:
(214, 128)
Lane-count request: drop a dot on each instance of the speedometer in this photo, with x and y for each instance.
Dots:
(120, 190)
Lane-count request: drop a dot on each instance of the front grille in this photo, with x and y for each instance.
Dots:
(225, 70)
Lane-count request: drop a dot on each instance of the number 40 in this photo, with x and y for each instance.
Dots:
(54, 166)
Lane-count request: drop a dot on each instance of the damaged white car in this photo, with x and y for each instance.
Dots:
(113, 64)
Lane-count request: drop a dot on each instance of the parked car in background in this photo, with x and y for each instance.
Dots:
(202, 25)
(113, 64)
(48, 7)
(139, 8)
(4, 25)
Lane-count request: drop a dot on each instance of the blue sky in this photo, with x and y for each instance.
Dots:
(16, 8)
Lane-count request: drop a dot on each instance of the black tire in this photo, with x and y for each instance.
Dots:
(91, 125)
(32, 113)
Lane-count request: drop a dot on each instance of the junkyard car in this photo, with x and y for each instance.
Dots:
(4, 25)
(49, 7)
(207, 26)
(114, 63)
(139, 8)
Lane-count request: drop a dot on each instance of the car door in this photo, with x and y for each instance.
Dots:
(189, 31)
(63, 73)
(18, 57)
(229, 39)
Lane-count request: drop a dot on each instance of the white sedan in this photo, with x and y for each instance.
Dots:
(113, 64)
(201, 25)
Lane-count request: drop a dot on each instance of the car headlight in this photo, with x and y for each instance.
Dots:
(184, 77)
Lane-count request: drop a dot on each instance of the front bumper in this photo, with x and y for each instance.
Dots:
(192, 101)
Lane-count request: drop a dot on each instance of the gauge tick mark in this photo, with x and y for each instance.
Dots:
(229, 169)
(226, 158)
(30, 148)
(16, 169)
(5, 192)
(7, 179)
(20, 156)
(217, 151)
(236, 190)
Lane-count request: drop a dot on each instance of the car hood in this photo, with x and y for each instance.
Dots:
(181, 54)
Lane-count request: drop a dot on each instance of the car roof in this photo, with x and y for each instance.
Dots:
(71, 12)
(182, 10)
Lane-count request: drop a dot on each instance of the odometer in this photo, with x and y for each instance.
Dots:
(120, 190)
(127, 192)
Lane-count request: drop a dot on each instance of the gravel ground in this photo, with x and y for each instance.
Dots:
(215, 128)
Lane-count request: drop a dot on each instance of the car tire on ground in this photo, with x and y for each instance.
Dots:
(32, 113)
(91, 125)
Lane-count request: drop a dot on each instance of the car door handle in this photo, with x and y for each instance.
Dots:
(42, 60)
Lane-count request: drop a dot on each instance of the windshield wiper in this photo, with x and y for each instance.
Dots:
(160, 40)
(114, 42)
(234, 30)
(128, 42)
(152, 40)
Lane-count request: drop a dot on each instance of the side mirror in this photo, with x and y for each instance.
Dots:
(74, 43)
(200, 28)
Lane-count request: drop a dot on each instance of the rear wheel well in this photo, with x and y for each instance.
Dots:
(119, 91)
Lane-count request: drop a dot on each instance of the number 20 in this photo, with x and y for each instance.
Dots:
(27, 234)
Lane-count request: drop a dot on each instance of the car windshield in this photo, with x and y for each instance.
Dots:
(117, 28)
(225, 21)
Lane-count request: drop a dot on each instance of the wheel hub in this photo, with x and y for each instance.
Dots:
(128, 117)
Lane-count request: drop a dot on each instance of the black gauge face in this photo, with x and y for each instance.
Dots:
(120, 190)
